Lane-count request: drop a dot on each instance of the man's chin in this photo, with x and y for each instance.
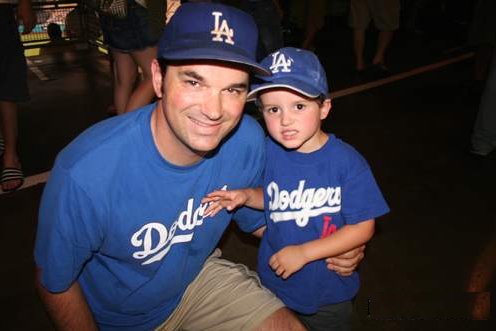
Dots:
(206, 147)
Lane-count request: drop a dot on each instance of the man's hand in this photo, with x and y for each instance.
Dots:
(346, 263)
(26, 15)
(288, 260)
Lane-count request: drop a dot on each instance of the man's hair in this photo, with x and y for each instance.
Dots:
(163, 65)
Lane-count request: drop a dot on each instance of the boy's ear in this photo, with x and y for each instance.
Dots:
(325, 108)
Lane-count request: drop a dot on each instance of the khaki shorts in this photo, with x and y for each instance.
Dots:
(385, 13)
(224, 296)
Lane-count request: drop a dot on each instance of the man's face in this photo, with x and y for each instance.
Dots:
(201, 104)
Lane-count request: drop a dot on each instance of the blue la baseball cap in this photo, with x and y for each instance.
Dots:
(295, 69)
(211, 31)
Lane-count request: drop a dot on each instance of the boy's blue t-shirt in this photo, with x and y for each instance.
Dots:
(306, 197)
(128, 225)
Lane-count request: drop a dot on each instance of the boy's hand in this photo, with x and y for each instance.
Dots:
(224, 199)
(288, 260)
(346, 263)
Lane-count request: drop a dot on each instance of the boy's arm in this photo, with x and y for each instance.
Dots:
(255, 198)
(250, 197)
(292, 258)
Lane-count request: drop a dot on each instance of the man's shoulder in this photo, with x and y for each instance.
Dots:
(102, 140)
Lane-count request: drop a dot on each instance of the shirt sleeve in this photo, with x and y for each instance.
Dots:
(362, 198)
(67, 231)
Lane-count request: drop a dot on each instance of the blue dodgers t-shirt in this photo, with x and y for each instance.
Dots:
(129, 226)
(309, 196)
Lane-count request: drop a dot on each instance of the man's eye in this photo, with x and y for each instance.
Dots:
(233, 90)
(192, 82)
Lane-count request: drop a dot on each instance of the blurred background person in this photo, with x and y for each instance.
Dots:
(386, 17)
(268, 16)
(132, 41)
(13, 85)
(484, 133)
(482, 37)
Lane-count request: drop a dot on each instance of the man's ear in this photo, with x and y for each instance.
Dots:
(157, 78)
(325, 108)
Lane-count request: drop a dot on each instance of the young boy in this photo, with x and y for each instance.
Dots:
(319, 194)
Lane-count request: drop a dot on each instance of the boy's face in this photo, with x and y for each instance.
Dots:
(294, 120)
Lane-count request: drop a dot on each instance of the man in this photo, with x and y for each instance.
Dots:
(13, 87)
(122, 241)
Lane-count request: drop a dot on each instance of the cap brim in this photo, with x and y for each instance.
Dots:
(297, 86)
(214, 55)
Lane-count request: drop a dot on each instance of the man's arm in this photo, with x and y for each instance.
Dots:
(346, 263)
(69, 310)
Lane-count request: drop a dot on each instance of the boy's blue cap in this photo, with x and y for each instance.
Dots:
(208, 31)
(293, 68)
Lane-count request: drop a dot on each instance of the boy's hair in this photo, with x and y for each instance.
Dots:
(319, 100)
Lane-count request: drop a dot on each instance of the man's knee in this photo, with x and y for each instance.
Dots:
(281, 319)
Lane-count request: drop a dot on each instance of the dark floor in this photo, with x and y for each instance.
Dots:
(413, 132)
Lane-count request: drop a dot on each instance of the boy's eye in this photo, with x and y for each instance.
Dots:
(271, 110)
(300, 106)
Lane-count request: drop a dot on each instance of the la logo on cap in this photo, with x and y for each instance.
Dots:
(222, 29)
(279, 61)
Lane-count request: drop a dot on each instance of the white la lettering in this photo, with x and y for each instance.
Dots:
(222, 29)
(279, 60)
(304, 203)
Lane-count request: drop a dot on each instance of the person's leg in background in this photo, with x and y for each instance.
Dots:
(12, 177)
(386, 16)
(482, 36)
(268, 16)
(143, 92)
(359, 19)
(125, 75)
(383, 41)
(133, 43)
(358, 48)
(484, 133)
(315, 20)
(13, 88)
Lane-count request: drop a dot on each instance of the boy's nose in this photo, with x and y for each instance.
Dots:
(285, 118)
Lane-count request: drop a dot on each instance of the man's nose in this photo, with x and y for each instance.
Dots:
(212, 106)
